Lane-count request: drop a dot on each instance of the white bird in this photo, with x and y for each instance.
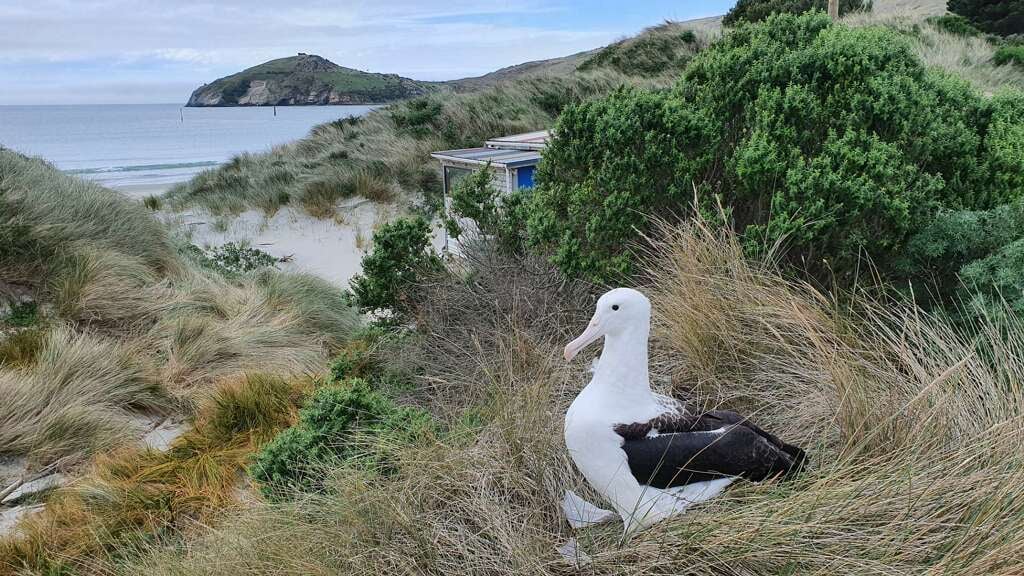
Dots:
(644, 452)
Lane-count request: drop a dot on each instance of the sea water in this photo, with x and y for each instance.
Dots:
(143, 148)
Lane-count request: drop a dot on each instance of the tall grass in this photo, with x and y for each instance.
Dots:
(913, 425)
(73, 398)
(972, 58)
(126, 322)
(385, 155)
(135, 496)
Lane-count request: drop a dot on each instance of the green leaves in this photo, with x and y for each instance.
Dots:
(612, 161)
(400, 255)
(836, 141)
(497, 215)
(347, 424)
(1002, 17)
(757, 10)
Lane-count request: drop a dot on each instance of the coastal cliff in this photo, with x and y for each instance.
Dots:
(306, 79)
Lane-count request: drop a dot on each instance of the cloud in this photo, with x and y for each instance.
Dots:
(189, 42)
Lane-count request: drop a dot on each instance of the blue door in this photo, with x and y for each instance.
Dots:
(524, 176)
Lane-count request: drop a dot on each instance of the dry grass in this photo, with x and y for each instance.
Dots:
(132, 497)
(914, 428)
(126, 322)
(74, 397)
(970, 58)
(385, 155)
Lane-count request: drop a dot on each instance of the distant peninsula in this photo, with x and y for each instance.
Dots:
(306, 79)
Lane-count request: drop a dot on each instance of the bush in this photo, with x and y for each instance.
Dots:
(417, 116)
(954, 24)
(758, 10)
(1002, 17)
(971, 255)
(401, 253)
(1009, 54)
(495, 214)
(836, 141)
(612, 161)
(21, 315)
(233, 258)
(349, 424)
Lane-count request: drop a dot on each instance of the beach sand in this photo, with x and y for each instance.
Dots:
(331, 249)
(140, 191)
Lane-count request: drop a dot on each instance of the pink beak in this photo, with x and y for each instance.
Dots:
(593, 332)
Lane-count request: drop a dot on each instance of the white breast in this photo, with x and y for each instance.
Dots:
(596, 449)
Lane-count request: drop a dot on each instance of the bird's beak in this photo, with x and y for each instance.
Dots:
(593, 332)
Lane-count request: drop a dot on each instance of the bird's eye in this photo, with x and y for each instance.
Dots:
(615, 306)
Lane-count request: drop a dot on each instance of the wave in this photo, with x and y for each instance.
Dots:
(142, 168)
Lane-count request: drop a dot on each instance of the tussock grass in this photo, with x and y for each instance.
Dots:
(45, 215)
(914, 429)
(72, 395)
(127, 323)
(132, 496)
(385, 155)
(972, 58)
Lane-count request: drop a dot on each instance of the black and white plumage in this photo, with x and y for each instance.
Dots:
(644, 452)
(679, 448)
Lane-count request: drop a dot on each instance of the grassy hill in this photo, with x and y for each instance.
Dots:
(305, 79)
(385, 155)
(434, 446)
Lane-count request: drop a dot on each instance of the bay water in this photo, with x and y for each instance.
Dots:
(145, 148)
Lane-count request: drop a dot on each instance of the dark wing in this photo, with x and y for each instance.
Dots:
(719, 418)
(690, 448)
(681, 458)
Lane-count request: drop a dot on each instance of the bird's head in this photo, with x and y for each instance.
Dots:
(618, 311)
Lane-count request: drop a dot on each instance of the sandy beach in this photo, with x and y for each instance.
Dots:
(331, 248)
(140, 191)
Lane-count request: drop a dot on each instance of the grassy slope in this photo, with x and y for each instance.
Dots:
(385, 155)
(126, 322)
(914, 438)
(914, 434)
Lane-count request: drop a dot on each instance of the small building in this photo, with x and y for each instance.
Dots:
(512, 161)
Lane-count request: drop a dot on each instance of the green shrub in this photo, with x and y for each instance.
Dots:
(837, 142)
(232, 258)
(758, 10)
(401, 254)
(612, 161)
(1002, 17)
(496, 214)
(1009, 54)
(21, 315)
(417, 116)
(970, 256)
(996, 278)
(954, 24)
(352, 362)
(350, 425)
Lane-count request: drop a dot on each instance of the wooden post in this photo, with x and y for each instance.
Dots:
(833, 9)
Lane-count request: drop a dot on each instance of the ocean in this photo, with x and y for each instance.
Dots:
(144, 148)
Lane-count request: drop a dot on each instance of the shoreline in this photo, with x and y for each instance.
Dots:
(140, 191)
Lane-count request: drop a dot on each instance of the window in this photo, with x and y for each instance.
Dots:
(524, 177)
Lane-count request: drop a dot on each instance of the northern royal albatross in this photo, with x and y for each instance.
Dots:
(644, 452)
